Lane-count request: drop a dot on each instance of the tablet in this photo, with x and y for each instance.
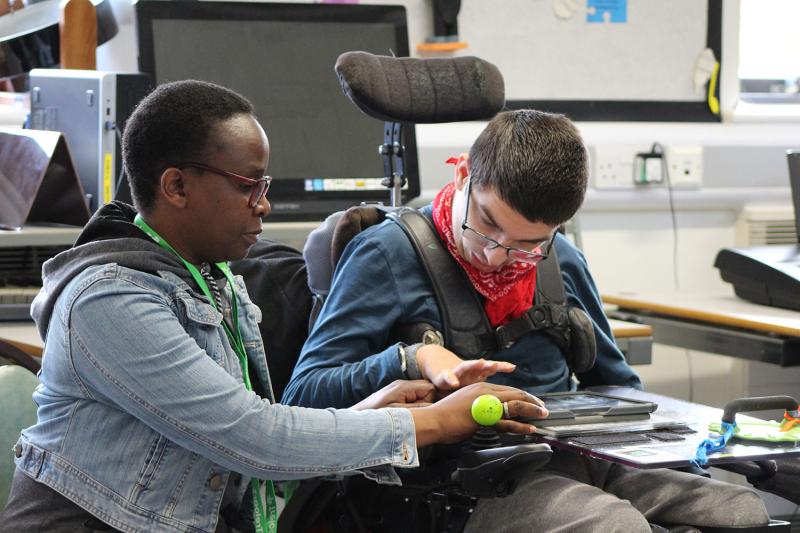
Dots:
(568, 408)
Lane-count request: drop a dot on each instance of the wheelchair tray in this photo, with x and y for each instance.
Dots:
(573, 408)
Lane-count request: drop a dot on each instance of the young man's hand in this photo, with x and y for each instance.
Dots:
(450, 419)
(400, 393)
(447, 371)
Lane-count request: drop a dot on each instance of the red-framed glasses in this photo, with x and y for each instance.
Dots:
(258, 188)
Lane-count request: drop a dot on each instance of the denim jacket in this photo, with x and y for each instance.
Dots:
(142, 412)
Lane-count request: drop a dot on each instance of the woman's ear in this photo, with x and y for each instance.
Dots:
(173, 187)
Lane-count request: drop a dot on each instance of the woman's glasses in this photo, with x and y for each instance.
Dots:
(258, 188)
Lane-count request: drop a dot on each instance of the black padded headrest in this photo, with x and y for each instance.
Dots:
(406, 89)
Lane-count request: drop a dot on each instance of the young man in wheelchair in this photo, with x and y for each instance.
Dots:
(525, 175)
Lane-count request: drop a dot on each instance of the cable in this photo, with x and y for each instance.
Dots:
(656, 148)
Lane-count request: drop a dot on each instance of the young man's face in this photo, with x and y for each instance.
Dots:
(489, 215)
(227, 224)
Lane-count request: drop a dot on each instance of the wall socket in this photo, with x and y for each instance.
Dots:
(685, 165)
(613, 166)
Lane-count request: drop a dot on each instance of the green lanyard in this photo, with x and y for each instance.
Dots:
(264, 506)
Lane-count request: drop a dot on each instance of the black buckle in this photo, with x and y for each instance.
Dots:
(540, 318)
(503, 337)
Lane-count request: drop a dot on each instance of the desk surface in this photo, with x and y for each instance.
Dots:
(35, 235)
(656, 454)
(628, 330)
(23, 335)
(39, 236)
(727, 310)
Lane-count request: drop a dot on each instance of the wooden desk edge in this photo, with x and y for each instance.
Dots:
(620, 328)
(29, 349)
(624, 330)
(701, 316)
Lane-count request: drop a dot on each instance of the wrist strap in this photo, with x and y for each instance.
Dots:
(412, 367)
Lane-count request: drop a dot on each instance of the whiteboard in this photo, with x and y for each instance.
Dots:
(650, 57)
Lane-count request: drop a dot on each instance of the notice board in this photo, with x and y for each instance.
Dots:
(637, 62)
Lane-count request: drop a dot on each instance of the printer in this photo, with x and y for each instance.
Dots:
(768, 275)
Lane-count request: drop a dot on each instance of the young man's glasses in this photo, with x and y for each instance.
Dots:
(532, 256)
(258, 188)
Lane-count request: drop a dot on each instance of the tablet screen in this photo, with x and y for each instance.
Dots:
(589, 403)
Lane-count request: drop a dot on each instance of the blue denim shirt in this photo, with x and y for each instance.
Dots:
(379, 283)
(142, 412)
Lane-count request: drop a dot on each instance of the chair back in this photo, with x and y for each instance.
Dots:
(18, 412)
(275, 276)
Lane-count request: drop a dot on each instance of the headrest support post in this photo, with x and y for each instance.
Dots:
(393, 153)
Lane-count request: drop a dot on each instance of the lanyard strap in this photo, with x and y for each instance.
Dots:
(265, 509)
(234, 336)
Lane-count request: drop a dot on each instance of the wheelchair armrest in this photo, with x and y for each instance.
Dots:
(780, 476)
(489, 473)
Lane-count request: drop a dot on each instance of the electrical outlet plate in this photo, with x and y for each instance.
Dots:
(685, 165)
(613, 165)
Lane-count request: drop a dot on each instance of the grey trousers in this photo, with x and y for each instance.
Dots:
(576, 494)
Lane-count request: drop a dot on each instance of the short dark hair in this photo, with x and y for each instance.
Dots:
(535, 162)
(173, 124)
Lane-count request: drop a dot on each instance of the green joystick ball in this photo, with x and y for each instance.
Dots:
(487, 410)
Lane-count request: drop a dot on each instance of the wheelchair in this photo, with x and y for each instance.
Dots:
(440, 495)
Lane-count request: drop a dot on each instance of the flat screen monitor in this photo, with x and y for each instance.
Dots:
(323, 150)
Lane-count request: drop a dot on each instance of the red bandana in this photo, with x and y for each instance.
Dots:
(509, 291)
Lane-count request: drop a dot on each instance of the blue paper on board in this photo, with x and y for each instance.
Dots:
(607, 11)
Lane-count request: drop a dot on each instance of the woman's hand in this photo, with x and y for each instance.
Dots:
(400, 393)
(450, 419)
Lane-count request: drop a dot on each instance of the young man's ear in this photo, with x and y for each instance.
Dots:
(173, 187)
(461, 171)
